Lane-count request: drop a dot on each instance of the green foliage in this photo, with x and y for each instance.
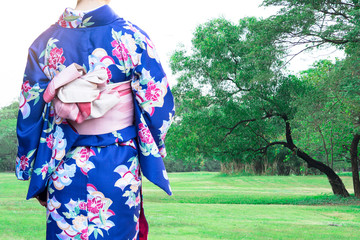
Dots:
(8, 140)
(317, 22)
(230, 96)
(191, 164)
(234, 94)
(227, 61)
(323, 128)
(348, 174)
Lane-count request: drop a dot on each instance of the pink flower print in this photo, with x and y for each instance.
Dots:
(45, 169)
(24, 162)
(136, 174)
(145, 134)
(84, 234)
(56, 57)
(85, 154)
(152, 92)
(62, 22)
(26, 86)
(94, 205)
(120, 51)
(82, 205)
(50, 141)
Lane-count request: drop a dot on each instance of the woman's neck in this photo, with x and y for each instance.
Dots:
(84, 5)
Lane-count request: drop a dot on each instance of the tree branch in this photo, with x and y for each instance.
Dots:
(247, 121)
(296, 54)
(264, 149)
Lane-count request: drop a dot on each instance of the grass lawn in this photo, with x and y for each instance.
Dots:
(214, 206)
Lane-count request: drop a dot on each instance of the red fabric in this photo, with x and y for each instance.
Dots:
(50, 92)
(84, 111)
(143, 224)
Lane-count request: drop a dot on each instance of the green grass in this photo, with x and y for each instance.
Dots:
(214, 188)
(349, 174)
(213, 206)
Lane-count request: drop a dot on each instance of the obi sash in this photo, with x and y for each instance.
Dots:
(89, 104)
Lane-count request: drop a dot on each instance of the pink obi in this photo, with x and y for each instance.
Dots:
(89, 104)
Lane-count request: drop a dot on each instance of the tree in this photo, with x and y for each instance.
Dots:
(8, 141)
(325, 23)
(235, 96)
(346, 78)
(321, 116)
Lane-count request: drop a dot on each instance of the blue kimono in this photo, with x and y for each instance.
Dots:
(93, 182)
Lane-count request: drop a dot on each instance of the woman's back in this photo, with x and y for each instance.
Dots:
(93, 181)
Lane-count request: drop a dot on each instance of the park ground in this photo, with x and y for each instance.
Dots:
(211, 206)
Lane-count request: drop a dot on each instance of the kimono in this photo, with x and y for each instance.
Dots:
(93, 182)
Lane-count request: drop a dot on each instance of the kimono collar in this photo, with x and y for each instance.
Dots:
(81, 19)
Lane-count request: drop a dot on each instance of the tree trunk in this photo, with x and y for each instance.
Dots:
(332, 148)
(234, 166)
(335, 181)
(354, 164)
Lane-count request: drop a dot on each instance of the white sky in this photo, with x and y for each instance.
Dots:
(168, 23)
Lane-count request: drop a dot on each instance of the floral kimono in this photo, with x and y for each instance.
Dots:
(93, 182)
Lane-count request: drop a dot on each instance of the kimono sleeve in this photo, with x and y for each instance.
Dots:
(154, 111)
(30, 121)
(153, 95)
(43, 137)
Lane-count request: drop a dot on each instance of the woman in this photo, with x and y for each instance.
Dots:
(95, 107)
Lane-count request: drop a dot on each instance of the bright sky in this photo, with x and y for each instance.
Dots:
(168, 23)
